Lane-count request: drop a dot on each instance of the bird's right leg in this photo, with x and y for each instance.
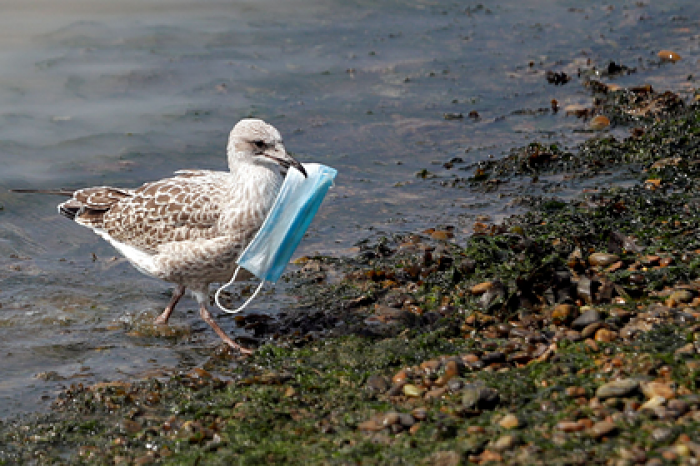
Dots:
(165, 315)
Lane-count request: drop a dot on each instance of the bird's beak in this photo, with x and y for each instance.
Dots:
(283, 158)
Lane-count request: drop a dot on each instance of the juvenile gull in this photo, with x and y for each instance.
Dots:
(191, 228)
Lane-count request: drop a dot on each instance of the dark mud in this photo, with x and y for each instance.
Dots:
(566, 335)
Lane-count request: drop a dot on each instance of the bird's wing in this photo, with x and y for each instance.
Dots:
(184, 207)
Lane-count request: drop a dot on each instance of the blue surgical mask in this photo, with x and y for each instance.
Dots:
(269, 252)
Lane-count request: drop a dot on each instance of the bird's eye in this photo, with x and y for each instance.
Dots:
(259, 144)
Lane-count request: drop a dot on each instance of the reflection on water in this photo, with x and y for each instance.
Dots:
(125, 91)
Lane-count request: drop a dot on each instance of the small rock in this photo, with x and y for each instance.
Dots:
(476, 396)
(587, 318)
(400, 376)
(564, 313)
(412, 391)
(662, 434)
(377, 383)
(420, 414)
(430, 367)
(509, 421)
(481, 288)
(650, 260)
(602, 429)
(441, 235)
(436, 393)
(453, 368)
(575, 392)
(653, 403)
(389, 419)
(680, 297)
(605, 335)
(454, 385)
(591, 329)
(617, 388)
(601, 258)
(680, 406)
(505, 443)
(569, 426)
(406, 420)
(598, 123)
(669, 56)
(592, 345)
(370, 425)
(490, 456)
(652, 389)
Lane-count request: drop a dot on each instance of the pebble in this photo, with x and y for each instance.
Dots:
(396, 389)
(430, 367)
(476, 396)
(481, 288)
(569, 426)
(617, 388)
(504, 443)
(435, 393)
(564, 313)
(419, 414)
(592, 345)
(680, 297)
(510, 421)
(377, 383)
(453, 368)
(652, 389)
(662, 434)
(601, 258)
(454, 385)
(669, 56)
(587, 318)
(602, 429)
(400, 376)
(605, 335)
(590, 330)
(680, 406)
(490, 456)
(653, 403)
(442, 235)
(406, 420)
(599, 122)
(412, 391)
(370, 425)
(575, 392)
(389, 419)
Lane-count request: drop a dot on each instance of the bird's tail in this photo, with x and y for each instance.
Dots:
(56, 192)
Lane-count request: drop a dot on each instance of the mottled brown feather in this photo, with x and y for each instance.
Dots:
(184, 207)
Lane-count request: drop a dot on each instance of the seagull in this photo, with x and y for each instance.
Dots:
(190, 229)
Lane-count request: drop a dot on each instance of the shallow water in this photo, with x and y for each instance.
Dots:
(123, 92)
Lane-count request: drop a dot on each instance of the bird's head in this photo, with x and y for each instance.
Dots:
(254, 141)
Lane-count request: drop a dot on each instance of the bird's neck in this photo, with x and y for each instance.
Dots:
(253, 191)
(260, 181)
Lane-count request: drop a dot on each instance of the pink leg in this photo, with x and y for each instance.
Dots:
(165, 315)
(206, 315)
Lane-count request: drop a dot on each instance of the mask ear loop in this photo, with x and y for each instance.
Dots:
(243, 306)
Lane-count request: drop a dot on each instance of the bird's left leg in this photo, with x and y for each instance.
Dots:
(165, 315)
(206, 315)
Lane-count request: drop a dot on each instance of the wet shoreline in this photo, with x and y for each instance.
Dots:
(568, 333)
